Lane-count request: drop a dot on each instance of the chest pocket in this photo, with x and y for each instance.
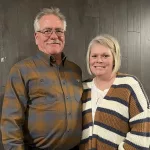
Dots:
(78, 89)
(42, 91)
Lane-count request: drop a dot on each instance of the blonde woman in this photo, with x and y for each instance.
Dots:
(116, 112)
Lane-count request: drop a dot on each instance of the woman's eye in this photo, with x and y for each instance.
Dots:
(94, 56)
(105, 56)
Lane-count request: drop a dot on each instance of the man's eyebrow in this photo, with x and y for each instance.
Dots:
(47, 29)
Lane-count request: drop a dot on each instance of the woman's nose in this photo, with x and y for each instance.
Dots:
(100, 59)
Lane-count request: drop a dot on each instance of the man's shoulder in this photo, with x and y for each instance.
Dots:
(87, 80)
(73, 65)
(24, 62)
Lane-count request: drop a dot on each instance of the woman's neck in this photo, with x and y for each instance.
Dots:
(103, 83)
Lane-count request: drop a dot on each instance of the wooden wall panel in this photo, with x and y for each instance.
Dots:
(91, 8)
(2, 57)
(134, 54)
(10, 41)
(145, 45)
(91, 29)
(1, 64)
(2, 60)
(134, 37)
(106, 17)
(75, 37)
(124, 65)
(26, 44)
(134, 15)
(120, 27)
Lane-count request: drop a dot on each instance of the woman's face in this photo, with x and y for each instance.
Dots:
(101, 60)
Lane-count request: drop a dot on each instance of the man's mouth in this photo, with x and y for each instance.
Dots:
(54, 43)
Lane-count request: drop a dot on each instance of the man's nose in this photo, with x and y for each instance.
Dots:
(53, 34)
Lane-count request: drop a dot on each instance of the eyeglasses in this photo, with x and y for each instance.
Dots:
(48, 32)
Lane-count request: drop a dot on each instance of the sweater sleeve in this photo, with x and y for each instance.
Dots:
(139, 136)
(14, 105)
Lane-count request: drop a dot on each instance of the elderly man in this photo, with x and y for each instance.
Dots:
(42, 107)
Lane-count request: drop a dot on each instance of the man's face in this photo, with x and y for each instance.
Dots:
(53, 43)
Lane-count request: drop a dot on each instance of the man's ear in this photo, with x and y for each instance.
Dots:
(36, 38)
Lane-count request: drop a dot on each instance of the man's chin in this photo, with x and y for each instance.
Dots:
(54, 52)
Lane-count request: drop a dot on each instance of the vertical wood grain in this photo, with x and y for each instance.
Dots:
(120, 29)
(106, 17)
(134, 54)
(1, 45)
(2, 53)
(145, 44)
(134, 37)
(91, 29)
(134, 15)
(1, 65)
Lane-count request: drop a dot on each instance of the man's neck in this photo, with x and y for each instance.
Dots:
(58, 58)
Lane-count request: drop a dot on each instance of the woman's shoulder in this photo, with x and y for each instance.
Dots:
(87, 83)
(127, 78)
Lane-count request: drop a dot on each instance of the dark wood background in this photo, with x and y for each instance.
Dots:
(127, 20)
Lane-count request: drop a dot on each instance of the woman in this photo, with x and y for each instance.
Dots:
(116, 112)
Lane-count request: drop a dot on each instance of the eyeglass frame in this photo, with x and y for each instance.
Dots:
(58, 31)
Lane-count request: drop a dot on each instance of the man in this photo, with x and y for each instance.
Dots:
(42, 108)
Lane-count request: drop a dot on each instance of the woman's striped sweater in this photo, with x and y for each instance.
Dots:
(122, 120)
